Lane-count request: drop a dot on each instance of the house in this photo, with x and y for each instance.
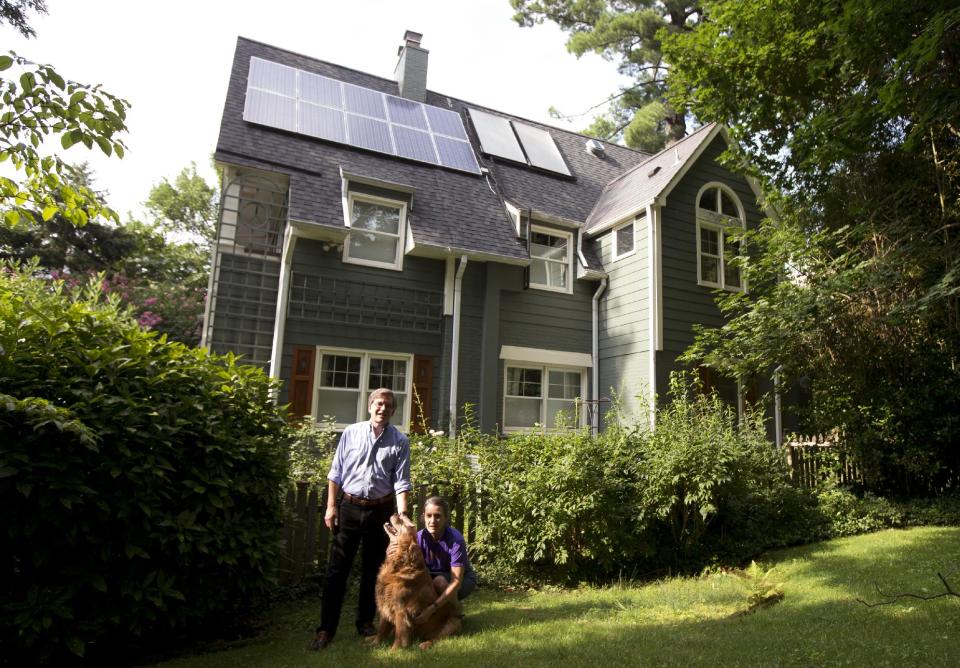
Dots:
(376, 233)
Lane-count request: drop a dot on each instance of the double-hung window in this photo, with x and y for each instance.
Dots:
(542, 395)
(377, 232)
(719, 223)
(624, 242)
(345, 379)
(550, 259)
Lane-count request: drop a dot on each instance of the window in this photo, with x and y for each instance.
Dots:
(377, 229)
(623, 241)
(719, 220)
(540, 395)
(346, 378)
(550, 260)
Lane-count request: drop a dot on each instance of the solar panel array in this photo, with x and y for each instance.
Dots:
(518, 142)
(290, 99)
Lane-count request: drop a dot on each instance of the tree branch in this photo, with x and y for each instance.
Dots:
(893, 598)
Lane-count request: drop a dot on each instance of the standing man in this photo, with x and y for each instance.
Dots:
(370, 467)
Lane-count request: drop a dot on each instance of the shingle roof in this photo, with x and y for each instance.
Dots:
(634, 190)
(451, 210)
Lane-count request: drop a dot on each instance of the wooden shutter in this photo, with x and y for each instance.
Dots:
(301, 381)
(423, 394)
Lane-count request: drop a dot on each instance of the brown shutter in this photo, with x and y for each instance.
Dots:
(301, 381)
(421, 415)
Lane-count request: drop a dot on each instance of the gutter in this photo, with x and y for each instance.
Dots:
(595, 371)
(455, 345)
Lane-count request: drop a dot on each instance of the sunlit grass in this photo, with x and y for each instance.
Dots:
(679, 621)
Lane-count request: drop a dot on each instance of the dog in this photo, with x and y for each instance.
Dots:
(405, 589)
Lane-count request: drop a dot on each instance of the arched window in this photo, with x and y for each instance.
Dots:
(719, 220)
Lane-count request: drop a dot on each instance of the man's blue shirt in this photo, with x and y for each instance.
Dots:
(374, 468)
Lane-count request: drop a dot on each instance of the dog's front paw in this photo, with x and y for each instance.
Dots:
(426, 644)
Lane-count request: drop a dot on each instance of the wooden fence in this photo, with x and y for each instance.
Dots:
(307, 538)
(815, 459)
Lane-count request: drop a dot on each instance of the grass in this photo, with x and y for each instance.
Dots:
(679, 621)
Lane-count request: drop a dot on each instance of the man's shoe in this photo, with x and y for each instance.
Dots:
(320, 640)
(366, 630)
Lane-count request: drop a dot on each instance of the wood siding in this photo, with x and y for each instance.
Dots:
(624, 340)
(363, 308)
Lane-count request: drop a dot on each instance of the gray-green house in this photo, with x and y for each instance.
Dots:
(376, 233)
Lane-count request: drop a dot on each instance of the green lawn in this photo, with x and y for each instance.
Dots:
(681, 621)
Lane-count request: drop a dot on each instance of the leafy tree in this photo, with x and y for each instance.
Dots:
(851, 109)
(14, 13)
(628, 32)
(188, 205)
(37, 105)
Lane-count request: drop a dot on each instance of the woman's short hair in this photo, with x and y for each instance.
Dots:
(440, 502)
(384, 392)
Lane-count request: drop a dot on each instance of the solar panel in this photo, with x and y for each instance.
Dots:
(456, 154)
(406, 112)
(496, 136)
(414, 144)
(270, 109)
(540, 148)
(512, 140)
(306, 103)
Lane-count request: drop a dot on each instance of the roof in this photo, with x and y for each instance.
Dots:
(651, 180)
(453, 211)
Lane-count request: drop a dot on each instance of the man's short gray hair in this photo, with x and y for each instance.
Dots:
(384, 392)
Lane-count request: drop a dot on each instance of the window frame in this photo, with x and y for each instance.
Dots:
(401, 205)
(721, 224)
(365, 358)
(613, 239)
(544, 398)
(549, 231)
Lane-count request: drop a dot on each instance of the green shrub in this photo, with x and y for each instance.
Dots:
(139, 479)
(846, 514)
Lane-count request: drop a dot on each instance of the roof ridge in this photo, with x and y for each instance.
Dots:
(659, 153)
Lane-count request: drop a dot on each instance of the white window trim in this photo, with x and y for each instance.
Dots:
(401, 236)
(545, 369)
(719, 223)
(400, 421)
(613, 238)
(568, 289)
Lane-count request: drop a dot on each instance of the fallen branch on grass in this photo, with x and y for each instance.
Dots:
(893, 598)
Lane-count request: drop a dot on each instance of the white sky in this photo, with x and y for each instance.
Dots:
(171, 60)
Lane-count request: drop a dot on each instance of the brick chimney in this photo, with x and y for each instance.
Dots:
(411, 71)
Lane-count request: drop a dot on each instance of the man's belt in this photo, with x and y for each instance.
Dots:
(360, 501)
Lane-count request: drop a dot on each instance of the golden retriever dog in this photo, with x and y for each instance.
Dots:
(405, 589)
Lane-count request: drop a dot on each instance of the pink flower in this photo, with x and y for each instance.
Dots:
(149, 301)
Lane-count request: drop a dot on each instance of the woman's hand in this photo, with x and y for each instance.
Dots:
(425, 614)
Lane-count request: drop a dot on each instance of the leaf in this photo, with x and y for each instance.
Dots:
(5, 62)
(49, 212)
(76, 645)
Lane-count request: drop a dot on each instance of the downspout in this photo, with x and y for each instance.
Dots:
(595, 372)
(455, 345)
(283, 293)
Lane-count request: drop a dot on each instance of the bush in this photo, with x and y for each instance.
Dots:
(844, 513)
(140, 480)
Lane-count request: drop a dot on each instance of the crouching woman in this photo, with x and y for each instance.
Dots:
(445, 553)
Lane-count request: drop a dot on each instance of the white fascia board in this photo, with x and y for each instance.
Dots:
(661, 198)
(542, 356)
(514, 212)
(616, 222)
(442, 252)
(544, 217)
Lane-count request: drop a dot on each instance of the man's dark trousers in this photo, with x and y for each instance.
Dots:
(357, 524)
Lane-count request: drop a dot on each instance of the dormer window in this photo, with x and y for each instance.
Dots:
(377, 230)
(719, 220)
(550, 259)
